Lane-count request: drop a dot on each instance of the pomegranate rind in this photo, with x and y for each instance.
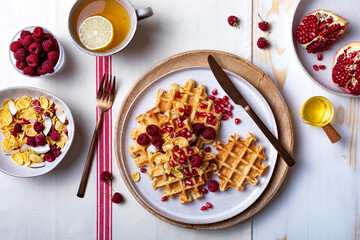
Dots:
(320, 38)
(349, 82)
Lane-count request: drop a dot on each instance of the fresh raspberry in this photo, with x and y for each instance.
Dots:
(47, 45)
(43, 55)
(20, 65)
(233, 21)
(32, 60)
(40, 140)
(38, 126)
(117, 198)
(38, 32)
(213, 186)
(209, 133)
(17, 128)
(29, 71)
(24, 33)
(105, 176)
(56, 45)
(143, 139)
(198, 128)
(38, 110)
(31, 141)
(37, 39)
(26, 41)
(196, 161)
(57, 152)
(49, 157)
(53, 56)
(263, 42)
(47, 66)
(55, 136)
(40, 71)
(263, 25)
(48, 36)
(157, 142)
(152, 130)
(20, 54)
(35, 48)
(15, 46)
(53, 148)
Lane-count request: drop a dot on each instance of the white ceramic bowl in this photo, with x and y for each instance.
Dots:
(7, 165)
(59, 63)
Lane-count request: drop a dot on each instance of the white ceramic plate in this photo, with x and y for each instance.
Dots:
(7, 165)
(225, 204)
(344, 8)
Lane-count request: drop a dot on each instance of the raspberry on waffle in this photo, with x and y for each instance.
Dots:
(239, 162)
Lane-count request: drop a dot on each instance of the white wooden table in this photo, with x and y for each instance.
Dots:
(320, 196)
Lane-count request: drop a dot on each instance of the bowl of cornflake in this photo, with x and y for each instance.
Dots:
(37, 131)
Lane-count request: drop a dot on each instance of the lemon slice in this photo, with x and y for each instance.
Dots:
(96, 32)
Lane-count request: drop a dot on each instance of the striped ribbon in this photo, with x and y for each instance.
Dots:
(103, 160)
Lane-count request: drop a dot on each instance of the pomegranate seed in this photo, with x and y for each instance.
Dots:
(194, 172)
(164, 198)
(230, 108)
(203, 208)
(219, 100)
(188, 134)
(212, 97)
(182, 161)
(322, 67)
(188, 108)
(224, 117)
(186, 171)
(187, 112)
(204, 190)
(143, 170)
(171, 175)
(216, 110)
(237, 121)
(208, 205)
(197, 115)
(180, 151)
(186, 116)
(222, 105)
(180, 109)
(203, 114)
(203, 105)
(176, 157)
(178, 94)
(316, 67)
(190, 151)
(172, 164)
(226, 103)
(213, 122)
(225, 98)
(183, 156)
(319, 57)
(224, 111)
(229, 114)
(207, 149)
(176, 148)
(214, 92)
(189, 183)
(181, 124)
(179, 120)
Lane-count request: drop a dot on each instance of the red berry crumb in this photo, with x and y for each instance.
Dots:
(263, 25)
(319, 57)
(316, 67)
(233, 21)
(207, 149)
(322, 67)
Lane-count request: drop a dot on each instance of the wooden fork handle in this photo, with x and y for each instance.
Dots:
(86, 171)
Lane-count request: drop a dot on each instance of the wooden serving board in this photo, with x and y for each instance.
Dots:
(254, 76)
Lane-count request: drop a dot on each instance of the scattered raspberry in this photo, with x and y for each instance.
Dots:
(47, 45)
(233, 21)
(38, 32)
(105, 176)
(53, 56)
(35, 48)
(263, 42)
(27, 40)
(20, 54)
(15, 46)
(209, 133)
(157, 142)
(152, 130)
(213, 186)
(38, 127)
(29, 71)
(117, 198)
(198, 128)
(49, 157)
(17, 128)
(32, 60)
(55, 136)
(207, 149)
(263, 25)
(47, 66)
(31, 141)
(143, 139)
(24, 33)
(40, 140)
(196, 161)
(20, 65)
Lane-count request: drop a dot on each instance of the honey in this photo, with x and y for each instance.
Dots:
(113, 11)
(317, 111)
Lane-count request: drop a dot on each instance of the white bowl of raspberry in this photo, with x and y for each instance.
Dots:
(36, 52)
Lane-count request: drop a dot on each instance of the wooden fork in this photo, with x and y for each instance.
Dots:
(104, 101)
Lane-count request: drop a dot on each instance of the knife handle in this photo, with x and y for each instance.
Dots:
(277, 145)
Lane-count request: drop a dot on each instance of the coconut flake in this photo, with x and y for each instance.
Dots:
(24, 147)
(47, 122)
(151, 148)
(60, 114)
(32, 120)
(13, 110)
(41, 149)
(37, 165)
(9, 152)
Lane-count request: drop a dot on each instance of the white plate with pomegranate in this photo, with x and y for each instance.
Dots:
(225, 204)
(321, 71)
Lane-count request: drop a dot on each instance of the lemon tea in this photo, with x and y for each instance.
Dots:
(317, 111)
(113, 11)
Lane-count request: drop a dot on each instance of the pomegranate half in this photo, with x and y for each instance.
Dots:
(319, 30)
(346, 68)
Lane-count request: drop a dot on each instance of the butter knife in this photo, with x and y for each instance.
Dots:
(238, 99)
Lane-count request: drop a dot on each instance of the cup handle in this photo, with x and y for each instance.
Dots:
(143, 13)
(330, 131)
